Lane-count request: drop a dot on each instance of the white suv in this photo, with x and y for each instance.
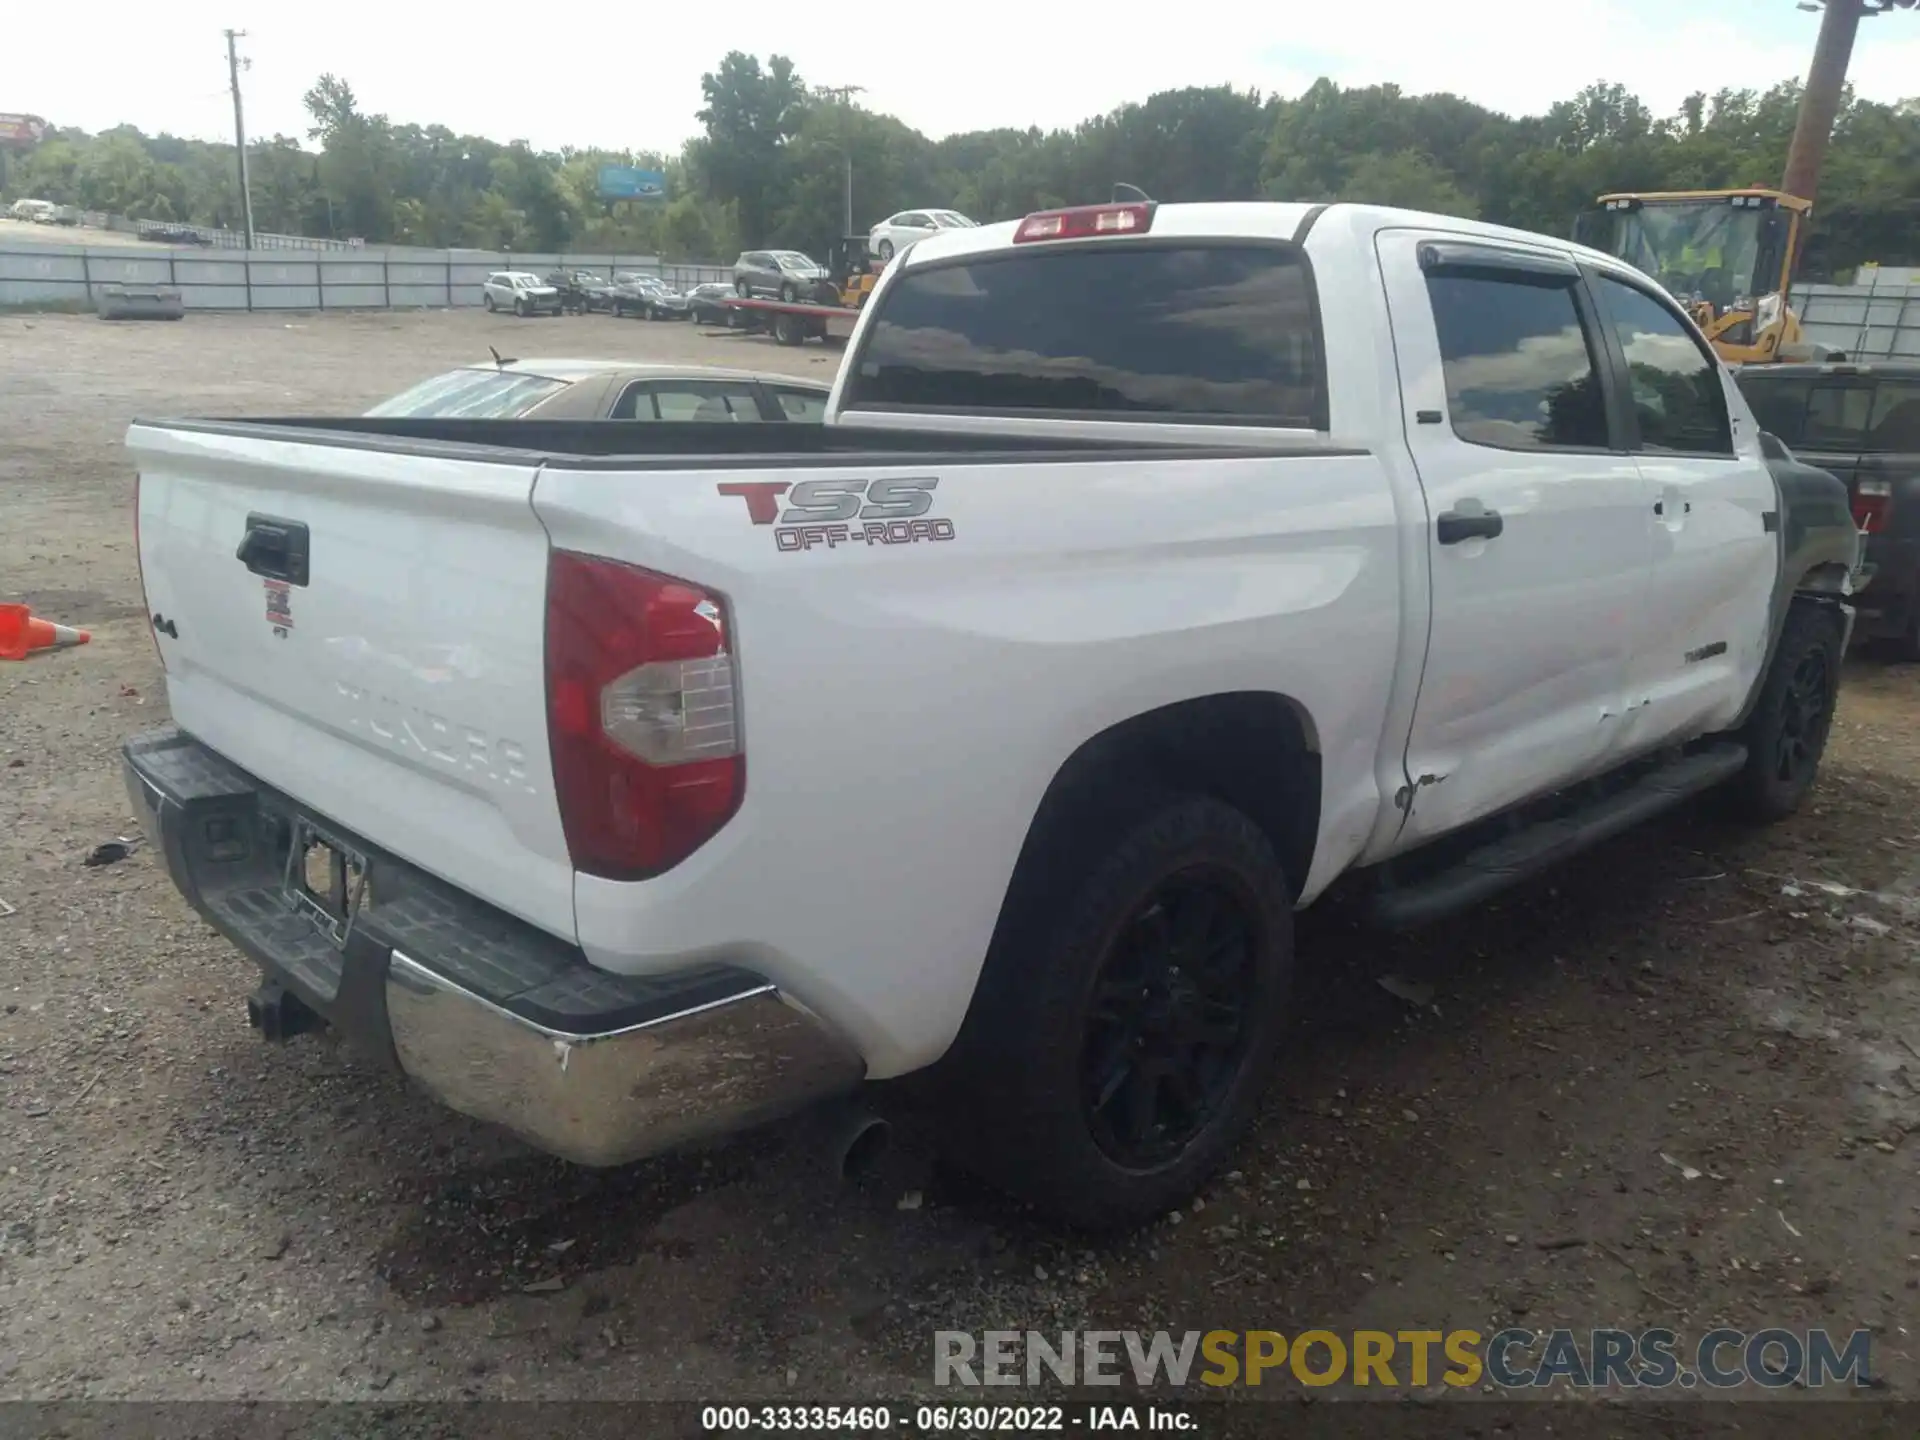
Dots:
(520, 292)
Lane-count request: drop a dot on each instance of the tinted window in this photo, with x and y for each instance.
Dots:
(1837, 417)
(1779, 405)
(1217, 331)
(1895, 425)
(1675, 383)
(688, 400)
(802, 404)
(1518, 364)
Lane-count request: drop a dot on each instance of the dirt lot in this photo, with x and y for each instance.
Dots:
(187, 1213)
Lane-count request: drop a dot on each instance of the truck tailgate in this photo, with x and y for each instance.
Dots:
(392, 679)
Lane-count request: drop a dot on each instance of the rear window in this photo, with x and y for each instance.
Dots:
(1214, 332)
(471, 395)
(1856, 415)
(1779, 405)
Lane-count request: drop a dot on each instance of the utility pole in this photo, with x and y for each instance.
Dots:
(1826, 79)
(240, 130)
(842, 93)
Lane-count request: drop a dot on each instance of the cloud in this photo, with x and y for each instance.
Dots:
(607, 74)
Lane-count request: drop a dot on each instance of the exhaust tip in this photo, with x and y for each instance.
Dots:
(861, 1147)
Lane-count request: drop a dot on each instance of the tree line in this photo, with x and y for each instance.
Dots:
(768, 166)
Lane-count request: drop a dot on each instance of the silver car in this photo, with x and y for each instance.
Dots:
(608, 390)
(781, 274)
(522, 292)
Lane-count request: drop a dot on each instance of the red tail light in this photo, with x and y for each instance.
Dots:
(1872, 502)
(1085, 221)
(647, 761)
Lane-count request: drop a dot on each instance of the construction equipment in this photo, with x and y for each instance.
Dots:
(852, 272)
(1728, 255)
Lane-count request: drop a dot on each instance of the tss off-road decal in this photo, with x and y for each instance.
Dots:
(832, 513)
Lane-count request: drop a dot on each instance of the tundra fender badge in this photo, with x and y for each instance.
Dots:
(826, 514)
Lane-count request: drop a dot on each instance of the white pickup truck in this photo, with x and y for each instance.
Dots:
(1158, 565)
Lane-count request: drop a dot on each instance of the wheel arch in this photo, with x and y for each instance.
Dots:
(1256, 750)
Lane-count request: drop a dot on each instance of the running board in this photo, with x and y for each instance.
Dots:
(1513, 858)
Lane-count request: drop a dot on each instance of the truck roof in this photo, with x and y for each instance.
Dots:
(1258, 219)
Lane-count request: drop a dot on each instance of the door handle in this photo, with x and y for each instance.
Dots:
(275, 549)
(1453, 526)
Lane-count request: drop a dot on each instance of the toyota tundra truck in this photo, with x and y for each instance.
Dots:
(1158, 566)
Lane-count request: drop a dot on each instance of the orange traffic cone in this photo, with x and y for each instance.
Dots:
(22, 633)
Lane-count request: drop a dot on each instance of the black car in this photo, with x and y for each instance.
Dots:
(1862, 423)
(707, 305)
(582, 290)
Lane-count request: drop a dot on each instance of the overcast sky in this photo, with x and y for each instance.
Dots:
(589, 72)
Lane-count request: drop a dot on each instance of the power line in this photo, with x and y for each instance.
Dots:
(240, 128)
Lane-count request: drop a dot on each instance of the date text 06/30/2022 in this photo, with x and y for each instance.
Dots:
(946, 1419)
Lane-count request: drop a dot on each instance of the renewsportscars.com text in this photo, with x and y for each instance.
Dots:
(1515, 1359)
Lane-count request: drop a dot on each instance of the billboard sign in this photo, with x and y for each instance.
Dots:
(21, 129)
(618, 182)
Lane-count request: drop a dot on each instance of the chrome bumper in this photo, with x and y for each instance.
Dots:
(492, 1018)
(605, 1099)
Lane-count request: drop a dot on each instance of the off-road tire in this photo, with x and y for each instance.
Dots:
(1018, 1088)
(1787, 732)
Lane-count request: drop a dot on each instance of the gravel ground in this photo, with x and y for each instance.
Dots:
(187, 1213)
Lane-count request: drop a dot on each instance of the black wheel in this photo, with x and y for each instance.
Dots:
(733, 318)
(486, 299)
(1128, 1019)
(742, 289)
(1787, 732)
(884, 249)
(789, 292)
(787, 330)
(520, 308)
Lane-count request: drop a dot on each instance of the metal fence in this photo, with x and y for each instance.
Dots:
(1867, 320)
(71, 277)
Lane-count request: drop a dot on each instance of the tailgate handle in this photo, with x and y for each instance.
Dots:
(276, 549)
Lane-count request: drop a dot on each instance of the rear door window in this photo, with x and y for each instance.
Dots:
(1222, 333)
(704, 400)
(803, 405)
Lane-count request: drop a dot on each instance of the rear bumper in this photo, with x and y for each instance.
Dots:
(492, 1017)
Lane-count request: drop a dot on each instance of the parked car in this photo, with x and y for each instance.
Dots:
(38, 212)
(707, 305)
(172, 234)
(521, 292)
(1155, 569)
(1862, 422)
(582, 290)
(780, 274)
(649, 297)
(898, 231)
(606, 390)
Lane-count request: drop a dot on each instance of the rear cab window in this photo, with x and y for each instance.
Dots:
(471, 395)
(1171, 330)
